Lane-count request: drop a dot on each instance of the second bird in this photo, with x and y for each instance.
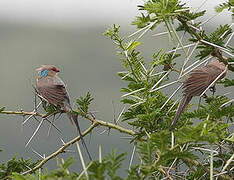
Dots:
(198, 81)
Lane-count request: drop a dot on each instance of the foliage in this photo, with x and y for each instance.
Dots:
(2, 109)
(107, 168)
(217, 37)
(151, 114)
(83, 103)
(97, 170)
(15, 165)
(227, 5)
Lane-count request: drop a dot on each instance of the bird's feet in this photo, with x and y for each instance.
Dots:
(213, 89)
(204, 96)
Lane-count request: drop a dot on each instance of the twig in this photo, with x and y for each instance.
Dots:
(171, 96)
(131, 159)
(228, 162)
(197, 164)
(232, 100)
(38, 127)
(100, 153)
(82, 160)
(61, 149)
(211, 163)
(81, 174)
(32, 114)
(165, 173)
(163, 86)
(158, 82)
(185, 46)
(187, 59)
(120, 114)
(162, 33)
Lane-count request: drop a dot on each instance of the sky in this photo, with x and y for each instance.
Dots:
(79, 12)
(67, 11)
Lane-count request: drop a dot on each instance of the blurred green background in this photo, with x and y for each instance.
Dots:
(68, 34)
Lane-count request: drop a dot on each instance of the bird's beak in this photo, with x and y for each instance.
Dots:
(38, 69)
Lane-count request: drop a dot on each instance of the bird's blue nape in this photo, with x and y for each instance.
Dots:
(44, 73)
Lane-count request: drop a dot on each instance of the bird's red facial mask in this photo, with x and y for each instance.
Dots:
(55, 69)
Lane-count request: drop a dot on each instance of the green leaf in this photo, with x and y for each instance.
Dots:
(108, 167)
(142, 21)
(158, 59)
(15, 165)
(227, 5)
(18, 176)
(216, 37)
(133, 173)
(84, 102)
(68, 162)
(133, 45)
(227, 82)
(231, 139)
(2, 109)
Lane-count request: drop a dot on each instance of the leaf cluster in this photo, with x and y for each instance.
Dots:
(217, 37)
(15, 165)
(83, 104)
(108, 167)
(227, 5)
(150, 114)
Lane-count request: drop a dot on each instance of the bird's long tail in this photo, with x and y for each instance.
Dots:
(74, 117)
(183, 104)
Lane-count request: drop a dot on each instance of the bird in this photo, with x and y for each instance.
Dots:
(197, 82)
(52, 89)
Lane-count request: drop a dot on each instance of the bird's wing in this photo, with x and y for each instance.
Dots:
(53, 90)
(200, 79)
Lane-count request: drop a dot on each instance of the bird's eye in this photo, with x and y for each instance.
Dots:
(55, 69)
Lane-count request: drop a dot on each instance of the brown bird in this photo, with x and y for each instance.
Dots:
(52, 89)
(197, 82)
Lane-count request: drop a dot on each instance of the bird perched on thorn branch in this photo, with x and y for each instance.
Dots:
(52, 89)
(197, 82)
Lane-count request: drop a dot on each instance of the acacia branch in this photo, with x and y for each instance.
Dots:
(215, 52)
(61, 149)
(94, 121)
(110, 125)
(90, 118)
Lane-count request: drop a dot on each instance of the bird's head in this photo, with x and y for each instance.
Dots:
(47, 70)
(219, 64)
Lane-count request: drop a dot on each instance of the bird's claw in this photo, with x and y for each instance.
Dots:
(204, 96)
(213, 89)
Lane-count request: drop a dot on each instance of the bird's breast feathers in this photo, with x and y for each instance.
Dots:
(53, 90)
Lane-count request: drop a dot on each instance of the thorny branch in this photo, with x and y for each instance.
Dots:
(216, 51)
(94, 121)
(90, 118)
(61, 149)
(197, 164)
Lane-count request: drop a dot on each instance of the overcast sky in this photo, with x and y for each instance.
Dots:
(78, 11)
(67, 11)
